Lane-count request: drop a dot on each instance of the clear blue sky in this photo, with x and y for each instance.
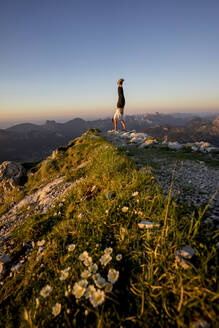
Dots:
(62, 58)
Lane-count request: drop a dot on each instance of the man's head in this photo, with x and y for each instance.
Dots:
(120, 82)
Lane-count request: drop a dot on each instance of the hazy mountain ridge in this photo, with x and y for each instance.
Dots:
(196, 129)
(29, 142)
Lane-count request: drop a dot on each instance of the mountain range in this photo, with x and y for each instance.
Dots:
(29, 142)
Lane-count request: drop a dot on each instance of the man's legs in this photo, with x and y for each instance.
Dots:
(115, 124)
(123, 124)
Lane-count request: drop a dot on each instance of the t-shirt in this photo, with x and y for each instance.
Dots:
(121, 99)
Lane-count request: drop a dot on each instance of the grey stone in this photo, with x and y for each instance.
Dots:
(175, 145)
(136, 140)
(200, 324)
(5, 259)
(186, 252)
(12, 174)
(16, 267)
(148, 225)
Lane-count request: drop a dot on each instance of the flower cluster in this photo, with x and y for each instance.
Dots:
(93, 286)
(70, 247)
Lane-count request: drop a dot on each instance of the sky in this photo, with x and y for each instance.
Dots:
(61, 59)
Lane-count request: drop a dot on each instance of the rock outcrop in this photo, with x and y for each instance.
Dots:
(12, 174)
(144, 140)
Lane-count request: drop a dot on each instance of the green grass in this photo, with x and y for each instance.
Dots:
(152, 290)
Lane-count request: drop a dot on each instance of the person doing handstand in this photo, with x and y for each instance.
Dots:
(118, 116)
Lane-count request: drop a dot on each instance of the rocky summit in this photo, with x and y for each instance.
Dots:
(109, 232)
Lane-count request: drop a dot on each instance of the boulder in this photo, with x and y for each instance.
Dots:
(12, 174)
(186, 252)
(204, 145)
(148, 143)
(4, 260)
(126, 135)
(194, 148)
(141, 135)
(175, 145)
(136, 140)
(16, 267)
(148, 225)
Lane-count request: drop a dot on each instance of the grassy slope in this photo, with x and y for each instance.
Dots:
(152, 289)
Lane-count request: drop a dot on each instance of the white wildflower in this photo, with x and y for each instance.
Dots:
(97, 298)
(78, 290)
(105, 259)
(135, 193)
(83, 256)
(64, 273)
(100, 282)
(108, 250)
(89, 292)
(125, 209)
(56, 309)
(68, 311)
(85, 274)
(70, 247)
(88, 261)
(108, 287)
(93, 268)
(113, 275)
(118, 257)
(45, 291)
(83, 283)
(86, 312)
(96, 276)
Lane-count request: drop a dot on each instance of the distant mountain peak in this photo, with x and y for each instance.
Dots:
(50, 122)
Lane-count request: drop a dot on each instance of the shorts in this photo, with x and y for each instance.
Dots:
(118, 114)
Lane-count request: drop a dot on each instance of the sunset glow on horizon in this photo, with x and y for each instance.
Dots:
(60, 60)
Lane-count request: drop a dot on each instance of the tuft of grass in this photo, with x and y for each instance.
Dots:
(153, 290)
